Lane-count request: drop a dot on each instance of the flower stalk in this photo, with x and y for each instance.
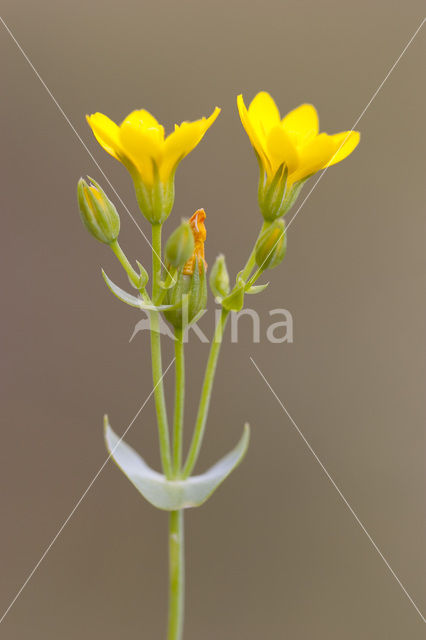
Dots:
(206, 393)
(156, 359)
(176, 575)
(179, 402)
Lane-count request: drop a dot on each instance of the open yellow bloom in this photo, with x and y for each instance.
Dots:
(141, 140)
(293, 140)
(151, 157)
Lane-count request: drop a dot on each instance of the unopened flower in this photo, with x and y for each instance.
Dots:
(271, 246)
(180, 246)
(189, 294)
(219, 278)
(97, 212)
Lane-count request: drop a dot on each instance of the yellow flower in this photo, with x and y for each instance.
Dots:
(139, 142)
(293, 140)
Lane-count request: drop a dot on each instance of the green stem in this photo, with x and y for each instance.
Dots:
(256, 275)
(177, 575)
(252, 257)
(157, 367)
(249, 265)
(205, 396)
(179, 402)
(156, 259)
(133, 276)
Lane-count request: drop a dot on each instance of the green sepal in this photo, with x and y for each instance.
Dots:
(155, 200)
(132, 301)
(257, 288)
(177, 297)
(172, 495)
(292, 195)
(272, 194)
(198, 292)
(188, 297)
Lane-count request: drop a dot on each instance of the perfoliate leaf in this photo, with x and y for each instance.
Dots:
(142, 279)
(235, 300)
(128, 298)
(171, 495)
(257, 288)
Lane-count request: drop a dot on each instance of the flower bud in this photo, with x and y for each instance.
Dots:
(271, 246)
(219, 278)
(190, 296)
(180, 246)
(190, 290)
(97, 212)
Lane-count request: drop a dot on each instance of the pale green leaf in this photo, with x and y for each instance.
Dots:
(235, 300)
(171, 495)
(128, 298)
(257, 288)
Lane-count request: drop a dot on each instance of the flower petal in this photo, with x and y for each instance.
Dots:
(106, 133)
(302, 123)
(263, 113)
(314, 156)
(345, 143)
(142, 144)
(182, 141)
(143, 118)
(281, 149)
(258, 145)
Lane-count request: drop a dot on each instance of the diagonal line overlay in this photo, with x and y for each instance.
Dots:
(62, 112)
(338, 490)
(80, 500)
(322, 174)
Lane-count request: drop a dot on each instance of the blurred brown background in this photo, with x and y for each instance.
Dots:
(275, 553)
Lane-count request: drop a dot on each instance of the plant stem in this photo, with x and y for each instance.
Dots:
(205, 396)
(133, 276)
(177, 575)
(252, 257)
(157, 367)
(249, 265)
(179, 402)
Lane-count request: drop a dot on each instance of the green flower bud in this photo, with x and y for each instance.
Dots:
(271, 246)
(180, 246)
(97, 212)
(219, 278)
(190, 293)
